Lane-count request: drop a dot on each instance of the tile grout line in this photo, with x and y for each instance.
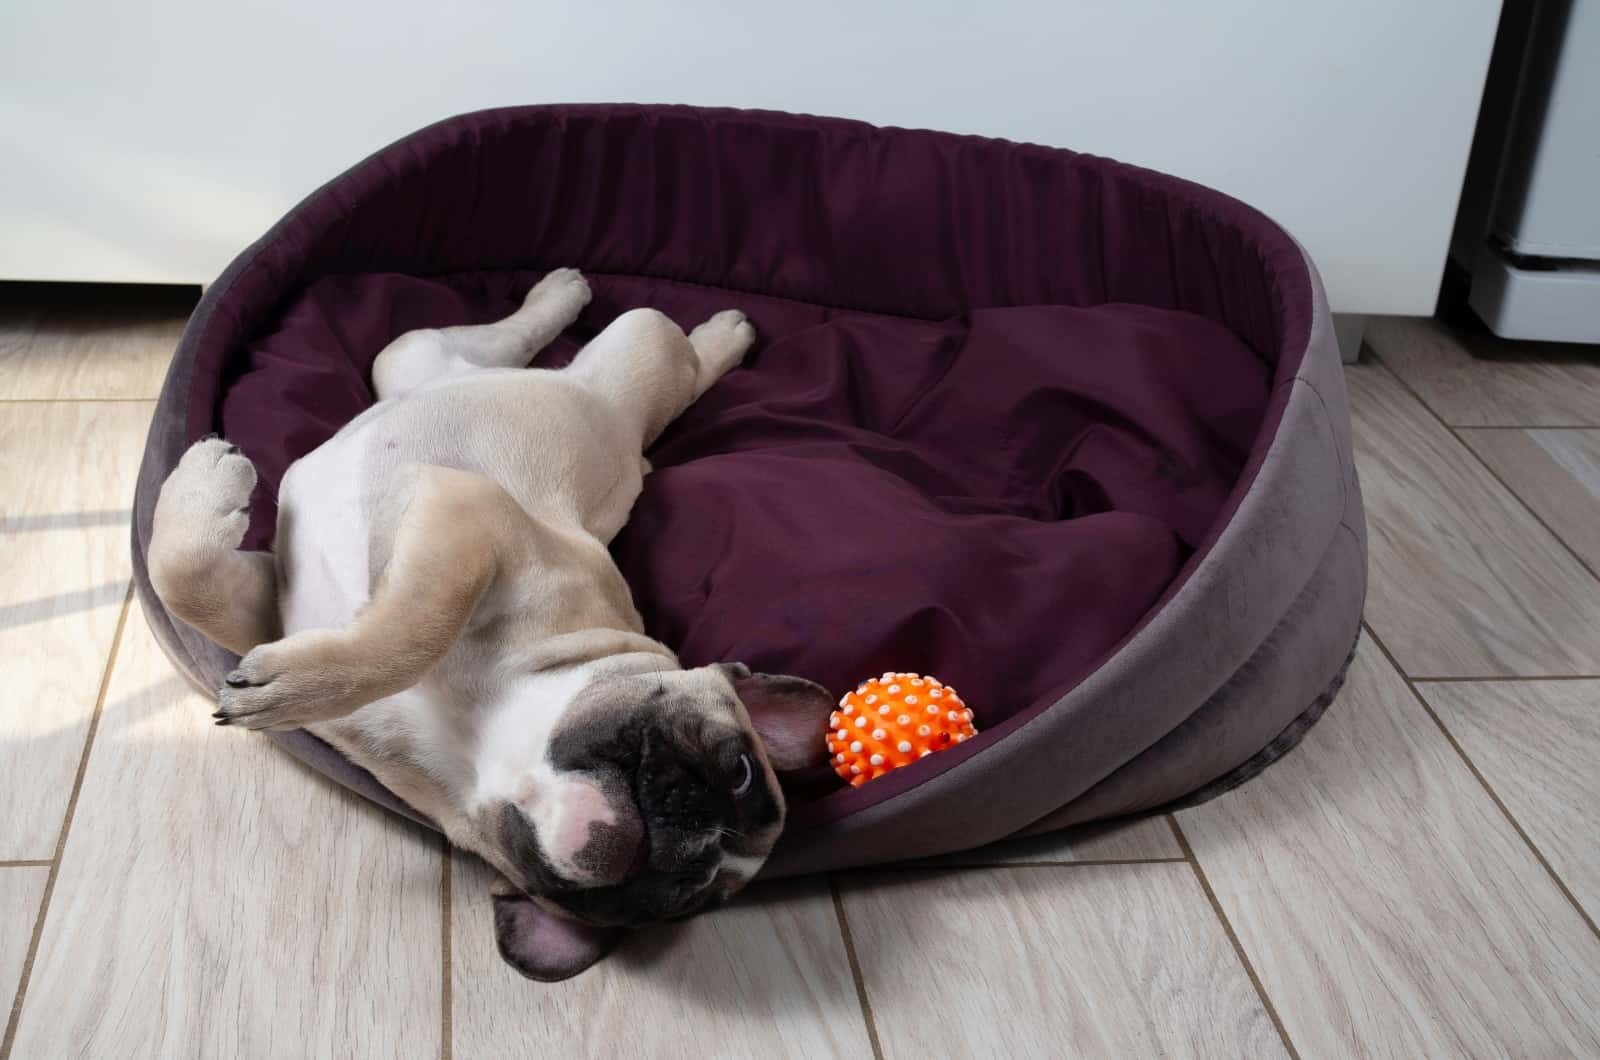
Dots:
(40, 864)
(446, 1000)
(80, 401)
(1503, 679)
(1455, 435)
(922, 866)
(1517, 426)
(855, 968)
(66, 825)
(1483, 781)
(1233, 938)
(1582, 562)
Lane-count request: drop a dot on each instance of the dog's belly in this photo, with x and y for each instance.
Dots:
(323, 538)
(562, 454)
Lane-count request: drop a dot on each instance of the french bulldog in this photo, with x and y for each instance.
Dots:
(441, 606)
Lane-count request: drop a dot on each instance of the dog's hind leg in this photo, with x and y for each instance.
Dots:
(194, 558)
(420, 356)
(648, 369)
(447, 547)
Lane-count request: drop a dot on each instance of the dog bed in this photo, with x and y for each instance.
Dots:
(1068, 434)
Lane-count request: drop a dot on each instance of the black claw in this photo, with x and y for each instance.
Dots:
(224, 721)
(235, 681)
(233, 449)
(218, 714)
(213, 436)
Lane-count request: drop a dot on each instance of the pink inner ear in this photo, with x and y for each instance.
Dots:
(790, 714)
(547, 946)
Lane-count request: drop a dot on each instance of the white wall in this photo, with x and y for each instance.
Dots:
(153, 141)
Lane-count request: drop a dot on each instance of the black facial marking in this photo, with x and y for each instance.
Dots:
(674, 750)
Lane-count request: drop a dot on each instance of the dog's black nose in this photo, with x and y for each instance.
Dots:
(678, 804)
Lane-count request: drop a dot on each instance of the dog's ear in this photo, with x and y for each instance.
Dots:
(541, 944)
(790, 714)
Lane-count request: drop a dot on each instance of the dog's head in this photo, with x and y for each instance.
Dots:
(654, 796)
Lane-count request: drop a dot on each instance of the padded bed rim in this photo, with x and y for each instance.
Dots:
(1298, 299)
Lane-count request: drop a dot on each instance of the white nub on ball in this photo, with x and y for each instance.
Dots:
(855, 746)
(839, 757)
(922, 730)
(876, 760)
(917, 682)
(904, 719)
(932, 709)
(861, 723)
(848, 709)
(878, 734)
(843, 733)
(884, 709)
(911, 699)
(904, 746)
(894, 690)
(936, 693)
(871, 700)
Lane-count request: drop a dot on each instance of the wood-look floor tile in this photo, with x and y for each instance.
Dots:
(1465, 582)
(80, 341)
(1092, 960)
(1141, 840)
(1388, 906)
(766, 976)
(1556, 473)
(1537, 744)
(1472, 378)
(20, 892)
(215, 898)
(66, 489)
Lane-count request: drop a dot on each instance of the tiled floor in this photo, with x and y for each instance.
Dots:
(1420, 878)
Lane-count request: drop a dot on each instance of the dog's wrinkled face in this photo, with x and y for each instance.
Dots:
(659, 795)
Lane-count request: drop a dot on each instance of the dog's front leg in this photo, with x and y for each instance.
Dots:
(444, 558)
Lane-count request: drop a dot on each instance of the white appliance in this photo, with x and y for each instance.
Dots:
(1533, 245)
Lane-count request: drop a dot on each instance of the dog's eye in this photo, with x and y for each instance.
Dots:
(747, 777)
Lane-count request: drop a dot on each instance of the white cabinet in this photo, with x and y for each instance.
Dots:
(152, 141)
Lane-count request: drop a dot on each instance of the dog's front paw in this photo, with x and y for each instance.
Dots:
(276, 686)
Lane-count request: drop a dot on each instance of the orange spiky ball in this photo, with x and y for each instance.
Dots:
(893, 720)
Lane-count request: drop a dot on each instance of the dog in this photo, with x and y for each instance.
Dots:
(442, 607)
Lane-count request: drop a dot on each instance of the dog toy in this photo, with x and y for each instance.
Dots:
(891, 721)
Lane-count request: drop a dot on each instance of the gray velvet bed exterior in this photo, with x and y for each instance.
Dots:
(1219, 680)
(1262, 629)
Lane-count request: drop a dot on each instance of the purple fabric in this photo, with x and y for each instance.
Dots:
(995, 499)
(1002, 392)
